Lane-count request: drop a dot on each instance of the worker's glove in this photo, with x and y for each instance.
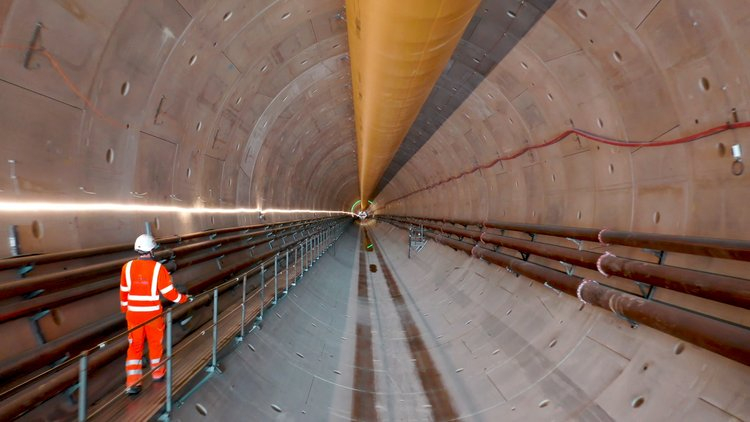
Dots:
(171, 266)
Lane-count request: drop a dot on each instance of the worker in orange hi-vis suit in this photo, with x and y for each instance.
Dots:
(141, 281)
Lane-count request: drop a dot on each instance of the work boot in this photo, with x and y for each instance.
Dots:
(133, 390)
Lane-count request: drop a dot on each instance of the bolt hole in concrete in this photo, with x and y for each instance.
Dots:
(722, 149)
(552, 343)
(544, 403)
(637, 402)
(286, 15)
(524, 65)
(125, 88)
(201, 409)
(373, 268)
(611, 168)
(227, 16)
(704, 84)
(157, 223)
(239, 100)
(600, 123)
(657, 217)
(582, 14)
(198, 126)
(37, 229)
(550, 97)
(617, 56)
(110, 156)
(579, 215)
(511, 14)
(554, 177)
(678, 348)
(644, 367)
(189, 172)
(193, 59)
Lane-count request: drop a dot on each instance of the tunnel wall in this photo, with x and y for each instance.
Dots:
(171, 102)
(631, 70)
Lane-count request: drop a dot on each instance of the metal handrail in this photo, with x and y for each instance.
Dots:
(84, 355)
(227, 313)
(12, 366)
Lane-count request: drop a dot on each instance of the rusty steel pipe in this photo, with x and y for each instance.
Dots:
(26, 307)
(30, 284)
(55, 348)
(72, 343)
(693, 245)
(48, 258)
(39, 303)
(728, 340)
(721, 288)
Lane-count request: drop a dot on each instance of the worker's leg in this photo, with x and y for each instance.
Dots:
(133, 362)
(155, 338)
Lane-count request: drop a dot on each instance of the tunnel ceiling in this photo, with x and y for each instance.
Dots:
(495, 29)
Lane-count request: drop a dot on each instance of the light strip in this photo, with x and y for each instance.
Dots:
(6, 207)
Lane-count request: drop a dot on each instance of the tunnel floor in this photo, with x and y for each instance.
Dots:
(344, 344)
(369, 334)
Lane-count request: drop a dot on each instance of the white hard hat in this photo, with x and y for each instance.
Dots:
(145, 243)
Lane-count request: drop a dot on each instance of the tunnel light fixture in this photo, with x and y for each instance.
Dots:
(19, 206)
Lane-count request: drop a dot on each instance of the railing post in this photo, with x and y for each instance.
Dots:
(82, 387)
(168, 404)
(294, 282)
(216, 331)
(262, 289)
(286, 273)
(242, 321)
(275, 278)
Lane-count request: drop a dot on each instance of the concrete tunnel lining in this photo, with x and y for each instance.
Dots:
(233, 103)
(507, 349)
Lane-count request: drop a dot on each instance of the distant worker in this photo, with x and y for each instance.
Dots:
(141, 281)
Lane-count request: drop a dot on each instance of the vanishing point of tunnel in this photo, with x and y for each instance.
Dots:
(375, 210)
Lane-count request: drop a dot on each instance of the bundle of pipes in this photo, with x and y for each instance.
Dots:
(727, 339)
(19, 395)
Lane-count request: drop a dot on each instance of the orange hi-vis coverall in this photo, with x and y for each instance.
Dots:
(141, 281)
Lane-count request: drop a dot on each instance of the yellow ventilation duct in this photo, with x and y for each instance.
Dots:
(398, 49)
